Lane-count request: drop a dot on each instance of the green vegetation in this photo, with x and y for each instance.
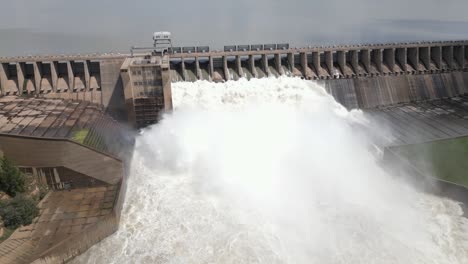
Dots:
(43, 190)
(6, 234)
(446, 159)
(20, 210)
(80, 135)
(12, 181)
(90, 138)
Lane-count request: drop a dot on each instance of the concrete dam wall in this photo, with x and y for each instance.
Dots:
(92, 78)
(397, 83)
(381, 91)
(359, 76)
(335, 62)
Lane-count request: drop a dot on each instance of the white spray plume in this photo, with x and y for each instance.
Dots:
(272, 171)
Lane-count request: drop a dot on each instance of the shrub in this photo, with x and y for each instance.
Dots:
(18, 211)
(12, 181)
(43, 190)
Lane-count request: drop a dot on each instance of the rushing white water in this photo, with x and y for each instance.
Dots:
(272, 171)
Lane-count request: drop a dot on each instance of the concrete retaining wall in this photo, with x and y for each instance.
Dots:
(43, 152)
(56, 152)
(389, 90)
(79, 243)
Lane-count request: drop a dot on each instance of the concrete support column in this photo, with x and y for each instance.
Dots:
(239, 66)
(424, 56)
(377, 59)
(227, 75)
(278, 64)
(125, 76)
(365, 59)
(20, 75)
(466, 57)
(182, 68)
(265, 64)
(303, 57)
(71, 76)
(447, 55)
(355, 61)
(211, 67)
(54, 75)
(37, 76)
(401, 58)
(166, 84)
(87, 75)
(389, 58)
(329, 61)
(459, 55)
(291, 62)
(316, 62)
(197, 68)
(252, 66)
(436, 56)
(3, 78)
(341, 58)
(413, 57)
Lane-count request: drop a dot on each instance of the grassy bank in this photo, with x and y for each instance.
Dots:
(444, 159)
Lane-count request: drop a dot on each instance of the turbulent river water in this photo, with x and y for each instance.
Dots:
(272, 171)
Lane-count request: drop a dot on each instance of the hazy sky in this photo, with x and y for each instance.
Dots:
(55, 26)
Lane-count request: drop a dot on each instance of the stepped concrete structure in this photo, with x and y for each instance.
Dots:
(80, 153)
(69, 120)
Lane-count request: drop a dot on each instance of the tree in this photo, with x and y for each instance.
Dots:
(18, 211)
(12, 181)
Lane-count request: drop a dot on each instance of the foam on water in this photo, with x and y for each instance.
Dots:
(272, 171)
